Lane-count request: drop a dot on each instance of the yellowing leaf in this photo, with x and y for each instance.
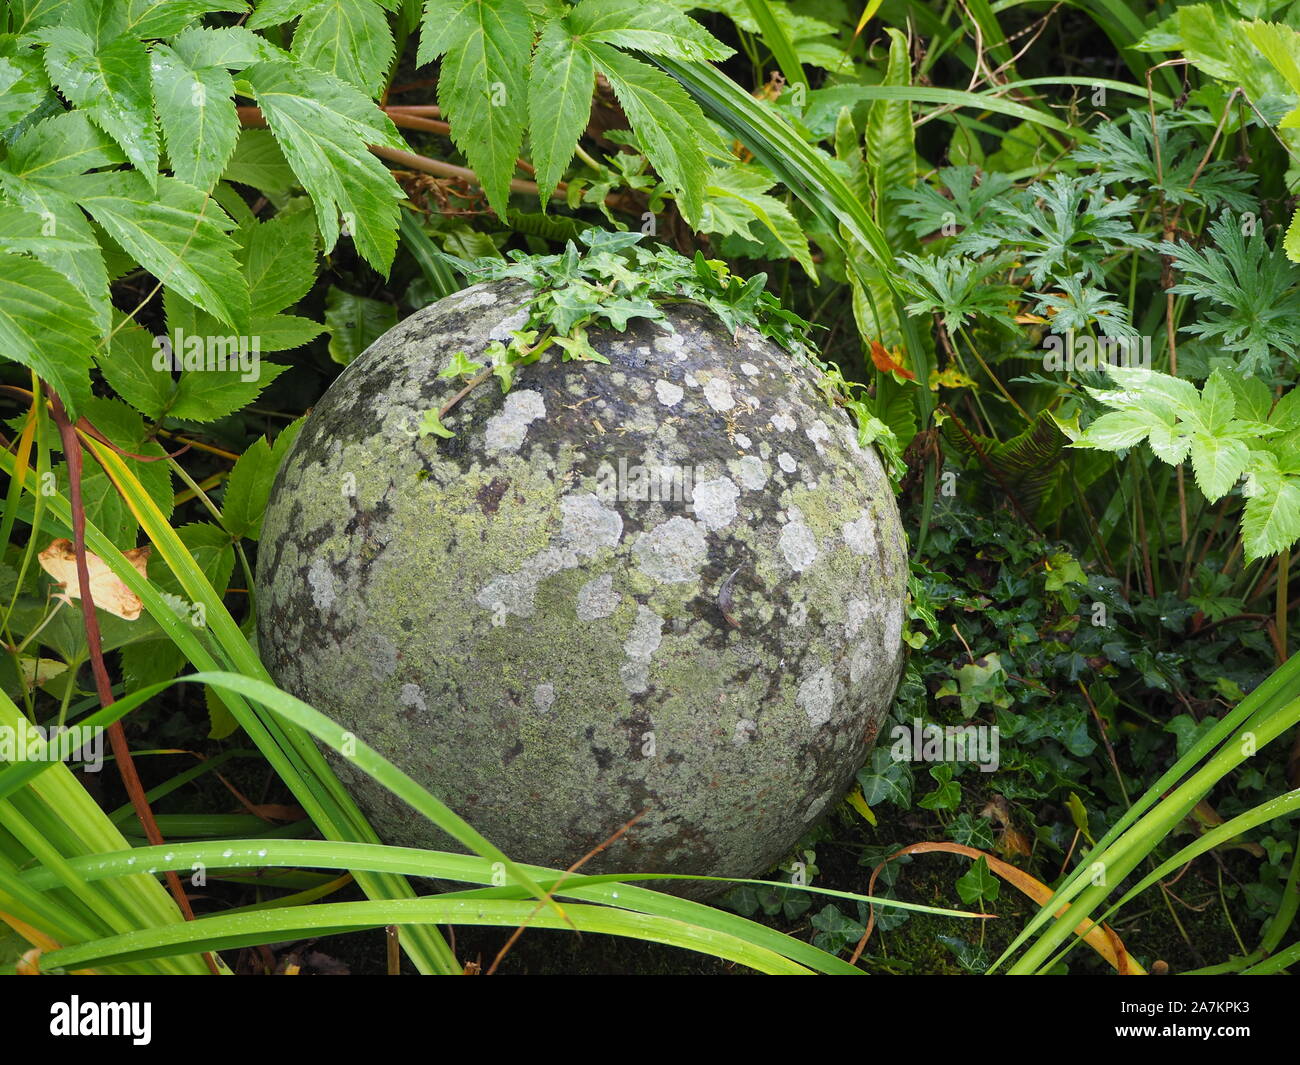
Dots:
(859, 803)
(59, 560)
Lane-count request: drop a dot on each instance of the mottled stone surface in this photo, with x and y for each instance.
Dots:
(551, 657)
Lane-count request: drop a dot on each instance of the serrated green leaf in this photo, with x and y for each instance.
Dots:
(126, 428)
(166, 18)
(178, 234)
(277, 12)
(197, 112)
(206, 395)
(59, 236)
(559, 103)
(1169, 443)
(284, 332)
(111, 84)
(485, 46)
(737, 198)
(249, 486)
(136, 370)
(1218, 403)
(233, 47)
(1271, 521)
(355, 322)
(23, 82)
(347, 38)
(46, 324)
(280, 261)
(1117, 430)
(646, 26)
(324, 127)
(27, 15)
(60, 146)
(258, 162)
(1218, 463)
(666, 120)
(1254, 400)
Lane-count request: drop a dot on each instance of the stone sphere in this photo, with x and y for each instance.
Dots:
(672, 584)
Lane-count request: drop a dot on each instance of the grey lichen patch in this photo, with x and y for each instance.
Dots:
(674, 551)
(717, 393)
(798, 544)
(321, 579)
(506, 431)
(589, 525)
(597, 598)
(550, 651)
(715, 502)
(860, 535)
(751, 473)
(640, 646)
(817, 696)
(669, 394)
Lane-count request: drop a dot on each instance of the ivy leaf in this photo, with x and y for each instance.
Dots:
(947, 794)
(485, 47)
(177, 233)
(324, 127)
(197, 112)
(111, 84)
(886, 779)
(978, 884)
(667, 122)
(431, 424)
(559, 103)
(46, 324)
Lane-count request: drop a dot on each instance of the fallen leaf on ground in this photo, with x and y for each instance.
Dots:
(107, 591)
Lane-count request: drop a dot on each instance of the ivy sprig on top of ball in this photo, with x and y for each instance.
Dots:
(615, 279)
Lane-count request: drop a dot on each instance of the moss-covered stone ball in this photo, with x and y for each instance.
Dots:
(673, 584)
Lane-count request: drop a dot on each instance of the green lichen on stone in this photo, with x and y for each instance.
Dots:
(506, 618)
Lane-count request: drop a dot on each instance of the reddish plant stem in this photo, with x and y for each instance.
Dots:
(104, 686)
